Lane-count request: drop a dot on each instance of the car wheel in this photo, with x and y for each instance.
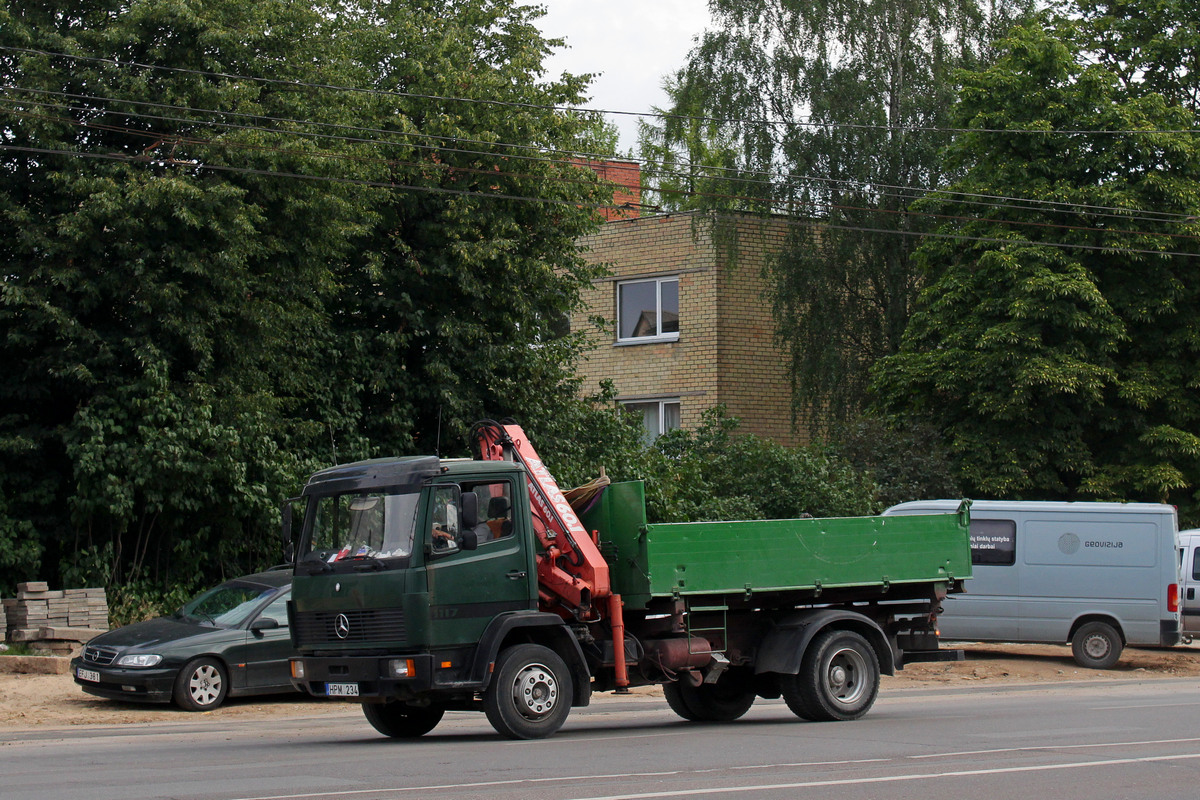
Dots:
(201, 685)
(838, 678)
(401, 721)
(530, 695)
(1096, 645)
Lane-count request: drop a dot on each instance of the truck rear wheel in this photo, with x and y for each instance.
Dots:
(838, 678)
(726, 700)
(1096, 645)
(401, 721)
(530, 695)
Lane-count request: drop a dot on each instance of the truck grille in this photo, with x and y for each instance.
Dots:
(358, 627)
(102, 656)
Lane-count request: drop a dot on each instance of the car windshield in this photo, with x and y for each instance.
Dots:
(226, 606)
(362, 525)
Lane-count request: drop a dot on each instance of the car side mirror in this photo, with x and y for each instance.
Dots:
(264, 624)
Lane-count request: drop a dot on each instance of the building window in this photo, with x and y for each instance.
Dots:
(658, 416)
(648, 310)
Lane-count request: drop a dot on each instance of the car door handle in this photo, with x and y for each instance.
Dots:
(517, 575)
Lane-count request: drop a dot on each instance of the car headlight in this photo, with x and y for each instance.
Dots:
(138, 661)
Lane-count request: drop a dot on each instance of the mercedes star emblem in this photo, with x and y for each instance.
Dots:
(341, 626)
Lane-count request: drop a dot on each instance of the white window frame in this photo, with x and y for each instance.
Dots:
(659, 336)
(661, 402)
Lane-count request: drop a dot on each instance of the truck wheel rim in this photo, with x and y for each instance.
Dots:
(846, 673)
(535, 691)
(1096, 647)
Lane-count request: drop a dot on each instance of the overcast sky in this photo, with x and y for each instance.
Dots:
(631, 43)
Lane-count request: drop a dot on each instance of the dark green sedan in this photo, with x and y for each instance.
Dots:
(231, 641)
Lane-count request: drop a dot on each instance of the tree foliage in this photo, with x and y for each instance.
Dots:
(833, 113)
(711, 473)
(221, 270)
(1056, 343)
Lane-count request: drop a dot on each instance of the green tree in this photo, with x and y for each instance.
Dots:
(833, 113)
(1151, 47)
(222, 270)
(1056, 344)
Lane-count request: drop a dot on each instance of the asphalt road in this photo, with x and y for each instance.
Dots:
(1094, 740)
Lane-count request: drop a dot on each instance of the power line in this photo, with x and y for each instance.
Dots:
(789, 222)
(584, 109)
(885, 190)
(124, 157)
(175, 140)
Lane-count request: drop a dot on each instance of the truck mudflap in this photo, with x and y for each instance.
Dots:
(920, 646)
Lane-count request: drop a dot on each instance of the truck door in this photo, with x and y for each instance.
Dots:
(467, 588)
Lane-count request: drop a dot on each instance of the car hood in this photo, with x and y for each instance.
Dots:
(153, 632)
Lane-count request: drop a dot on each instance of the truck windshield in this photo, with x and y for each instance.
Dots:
(361, 525)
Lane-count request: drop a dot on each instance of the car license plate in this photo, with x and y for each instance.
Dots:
(87, 675)
(341, 690)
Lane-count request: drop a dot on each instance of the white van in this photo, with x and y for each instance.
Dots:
(1189, 542)
(1097, 575)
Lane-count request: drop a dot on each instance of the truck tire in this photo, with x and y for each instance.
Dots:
(530, 694)
(1096, 645)
(838, 678)
(726, 700)
(401, 721)
(201, 685)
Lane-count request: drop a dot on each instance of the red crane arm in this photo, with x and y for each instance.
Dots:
(572, 573)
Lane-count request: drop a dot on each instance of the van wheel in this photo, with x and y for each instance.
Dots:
(401, 721)
(1096, 645)
(530, 695)
(726, 700)
(838, 678)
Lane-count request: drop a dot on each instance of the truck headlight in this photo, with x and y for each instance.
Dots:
(401, 668)
(144, 660)
(297, 670)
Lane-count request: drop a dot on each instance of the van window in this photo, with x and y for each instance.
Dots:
(1196, 564)
(993, 541)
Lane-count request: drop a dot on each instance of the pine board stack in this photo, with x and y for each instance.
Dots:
(55, 622)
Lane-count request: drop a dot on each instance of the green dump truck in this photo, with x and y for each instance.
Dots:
(424, 585)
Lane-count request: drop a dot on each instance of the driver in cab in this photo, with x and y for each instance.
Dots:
(445, 525)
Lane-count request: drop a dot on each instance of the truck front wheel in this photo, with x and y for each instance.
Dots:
(530, 695)
(401, 721)
(838, 678)
(726, 700)
(1096, 645)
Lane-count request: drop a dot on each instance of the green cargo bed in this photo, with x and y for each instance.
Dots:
(752, 557)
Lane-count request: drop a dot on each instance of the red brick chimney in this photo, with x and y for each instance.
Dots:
(627, 194)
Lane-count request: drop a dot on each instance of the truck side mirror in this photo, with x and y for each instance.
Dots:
(286, 532)
(468, 539)
(470, 510)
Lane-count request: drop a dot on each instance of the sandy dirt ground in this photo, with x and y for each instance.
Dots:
(48, 701)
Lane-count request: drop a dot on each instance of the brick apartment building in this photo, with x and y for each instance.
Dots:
(690, 325)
